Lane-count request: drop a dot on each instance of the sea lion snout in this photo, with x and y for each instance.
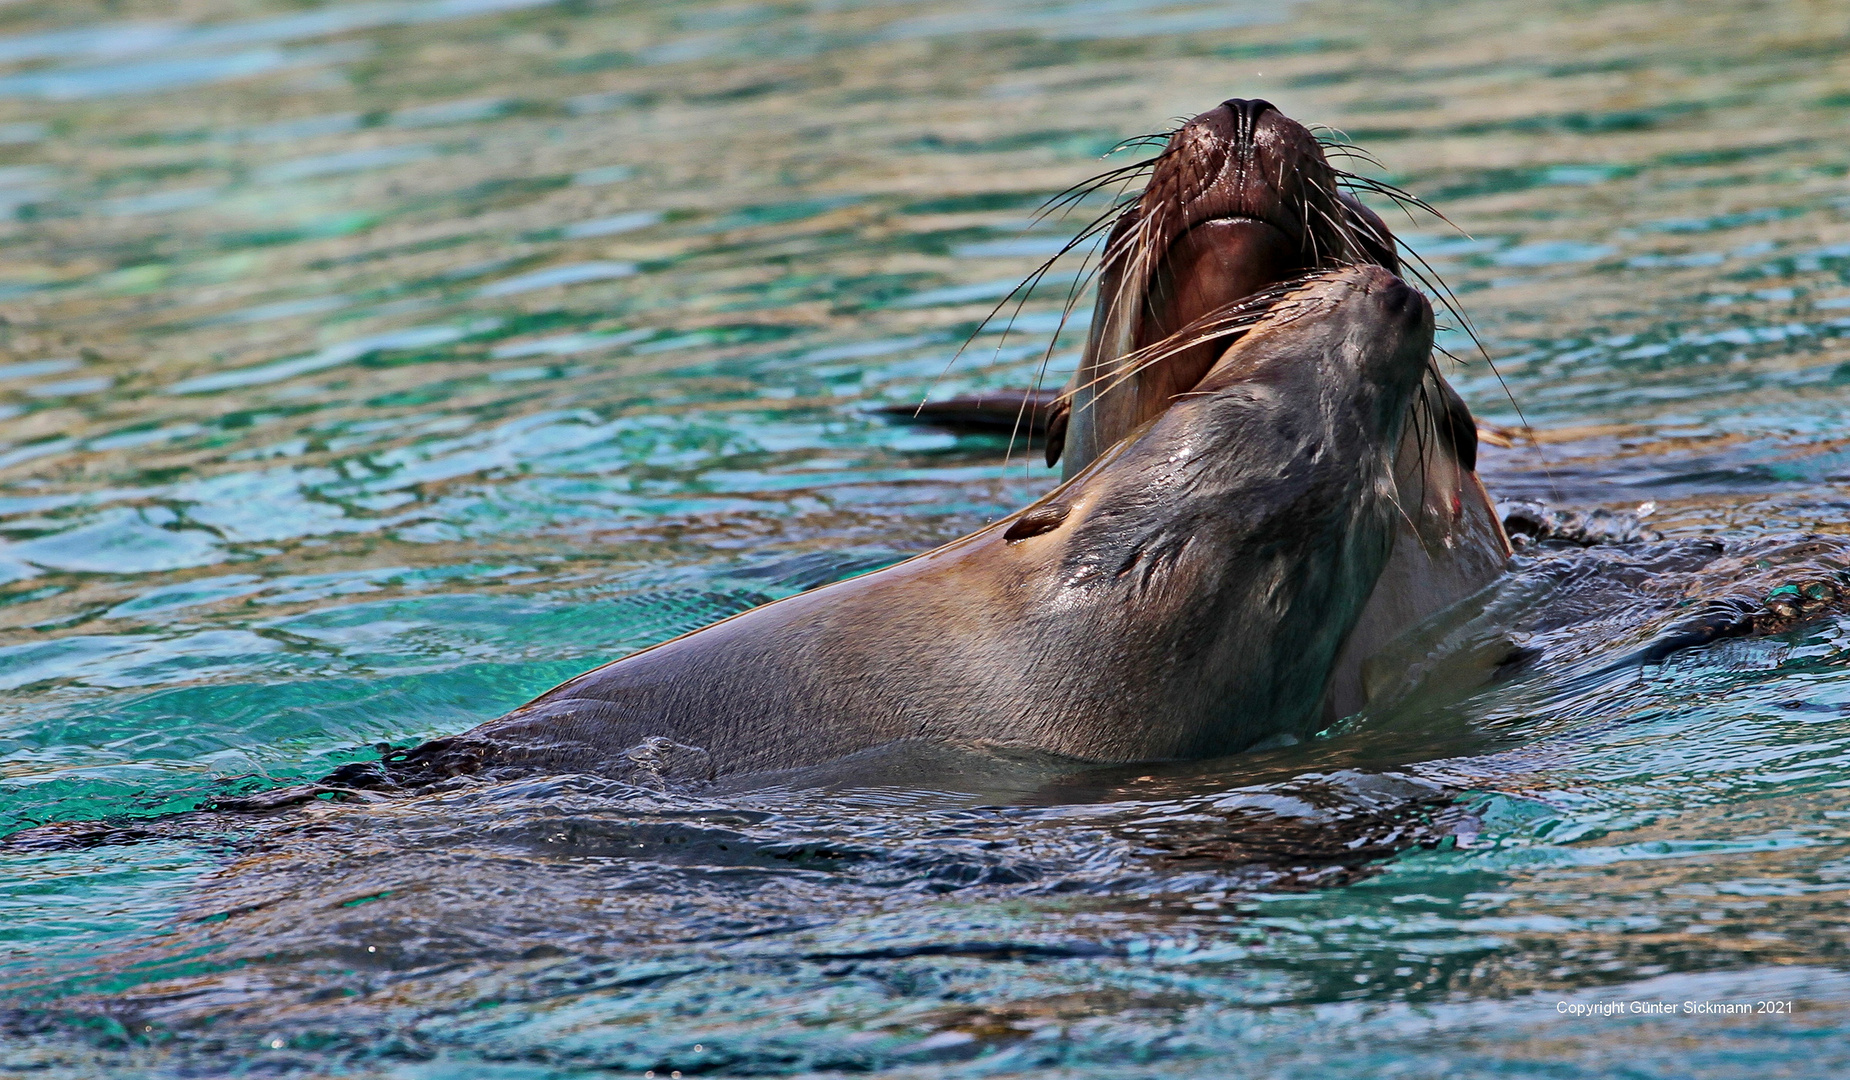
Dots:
(1386, 311)
(1407, 310)
(1398, 303)
(1241, 159)
(1342, 330)
(1392, 293)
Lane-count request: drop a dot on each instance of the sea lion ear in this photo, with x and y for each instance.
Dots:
(1458, 426)
(1037, 520)
(1057, 415)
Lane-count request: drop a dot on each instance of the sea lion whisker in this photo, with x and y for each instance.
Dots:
(1431, 278)
(1386, 241)
(1047, 210)
(1423, 424)
(1450, 300)
(1358, 155)
(1024, 290)
(1155, 353)
(1348, 149)
(1310, 235)
(1125, 245)
(1103, 223)
(1401, 197)
(1152, 138)
(1341, 228)
(1073, 293)
(1345, 178)
(1021, 294)
(1143, 363)
(1331, 128)
(1226, 321)
(1078, 193)
(1080, 282)
(1342, 222)
(1394, 501)
(1096, 179)
(1119, 207)
(1106, 219)
(1522, 419)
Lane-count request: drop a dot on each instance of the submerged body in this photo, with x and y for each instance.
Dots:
(1183, 596)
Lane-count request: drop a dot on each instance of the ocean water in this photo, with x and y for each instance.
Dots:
(369, 367)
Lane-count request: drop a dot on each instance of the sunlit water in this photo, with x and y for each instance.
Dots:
(370, 367)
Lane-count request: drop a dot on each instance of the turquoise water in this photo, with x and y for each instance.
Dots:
(370, 367)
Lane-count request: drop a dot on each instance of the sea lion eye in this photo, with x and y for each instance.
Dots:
(1037, 521)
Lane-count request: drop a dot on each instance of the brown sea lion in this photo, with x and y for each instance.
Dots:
(1242, 198)
(1184, 595)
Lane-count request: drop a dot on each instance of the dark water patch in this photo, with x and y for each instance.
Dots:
(977, 203)
(1060, 143)
(1730, 155)
(1599, 123)
(1483, 182)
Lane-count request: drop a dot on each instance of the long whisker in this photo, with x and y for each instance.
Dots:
(1073, 293)
(1206, 328)
(1078, 193)
(1151, 139)
(1431, 278)
(1400, 196)
(1225, 321)
(1343, 230)
(1083, 188)
(1040, 370)
(1021, 293)
(1349, 150)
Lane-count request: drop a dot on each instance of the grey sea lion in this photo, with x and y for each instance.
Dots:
(1184, 595)
(1241, 198)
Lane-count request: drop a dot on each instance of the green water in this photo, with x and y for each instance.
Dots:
(370, 367)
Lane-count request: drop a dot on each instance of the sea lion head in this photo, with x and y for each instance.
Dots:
(1241, 199)
(1226, 548)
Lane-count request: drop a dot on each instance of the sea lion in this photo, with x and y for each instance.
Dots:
(1182, 596)
(1242, 198)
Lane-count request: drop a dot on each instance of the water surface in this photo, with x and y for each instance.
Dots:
(370, 367)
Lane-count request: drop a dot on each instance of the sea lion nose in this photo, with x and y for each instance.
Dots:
(1246, 113)
(1393, 293)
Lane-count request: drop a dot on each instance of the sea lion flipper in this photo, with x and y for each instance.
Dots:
(1011, 410)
